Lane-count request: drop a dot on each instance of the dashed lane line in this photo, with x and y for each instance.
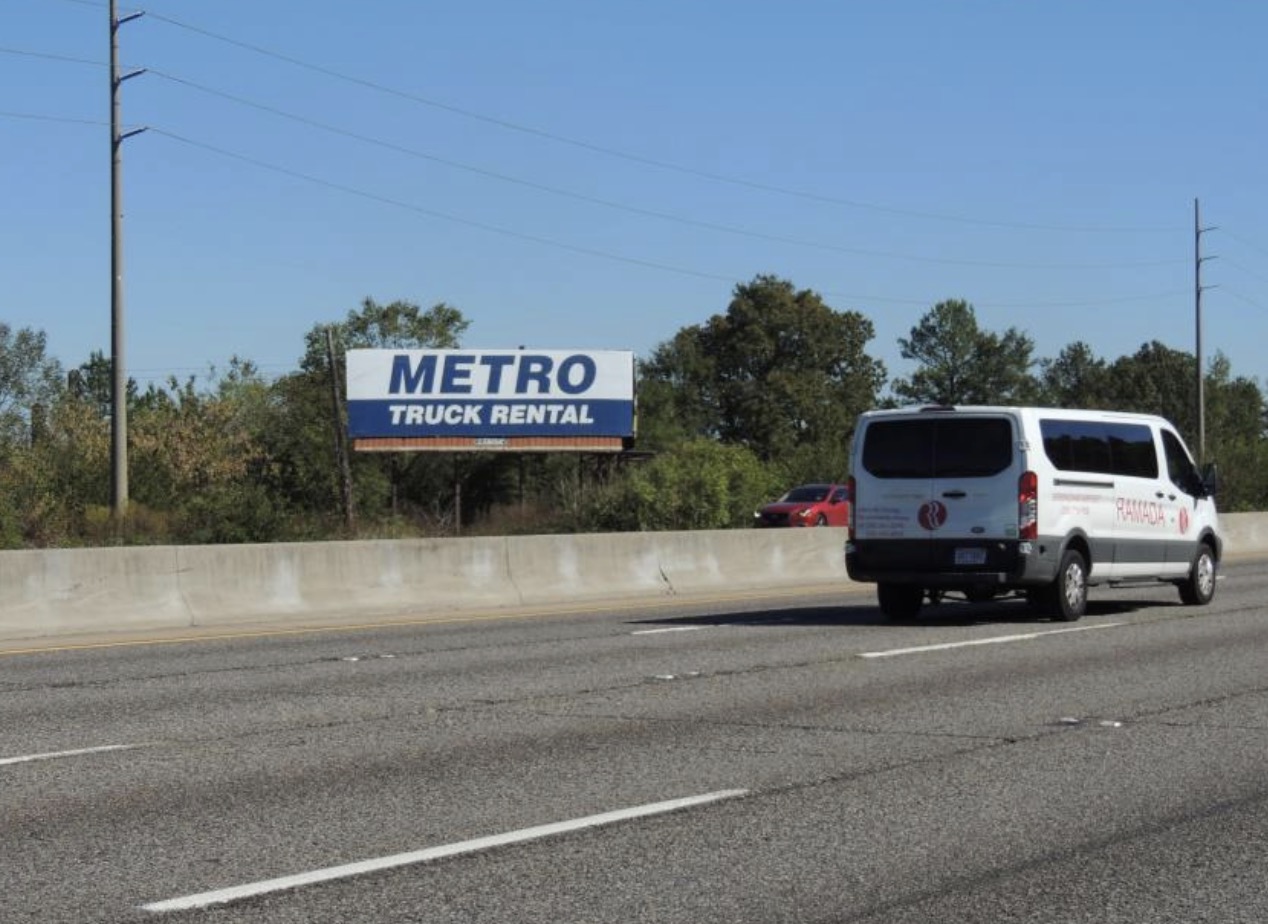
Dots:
(430, 854)
(56, 755)
(670, 629)
(992, 640)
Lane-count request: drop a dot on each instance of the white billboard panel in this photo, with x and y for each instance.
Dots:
(490, 393)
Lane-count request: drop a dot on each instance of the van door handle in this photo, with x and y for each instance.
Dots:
(954, 494)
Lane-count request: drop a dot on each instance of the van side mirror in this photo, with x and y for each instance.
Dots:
(1210, 479)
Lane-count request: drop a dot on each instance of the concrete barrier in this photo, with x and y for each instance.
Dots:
(76, 591)
(551, 569)
(706, 562)
(1245, 534)
(230, 584)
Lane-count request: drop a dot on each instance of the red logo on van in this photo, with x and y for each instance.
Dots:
(932, 515)
(1184, 521)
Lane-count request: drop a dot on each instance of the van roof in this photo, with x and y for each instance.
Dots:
(1019, 410)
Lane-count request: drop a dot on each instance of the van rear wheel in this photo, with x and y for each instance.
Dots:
(1199, 588)
(1066, 597)
(900, 602)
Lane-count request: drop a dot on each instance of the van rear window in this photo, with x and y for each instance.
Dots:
(943, 447)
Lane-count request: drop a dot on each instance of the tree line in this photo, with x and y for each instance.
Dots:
(731, 411)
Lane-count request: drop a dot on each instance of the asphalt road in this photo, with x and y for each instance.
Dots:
(797, 760)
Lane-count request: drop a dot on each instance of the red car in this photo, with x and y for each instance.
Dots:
(808, 505)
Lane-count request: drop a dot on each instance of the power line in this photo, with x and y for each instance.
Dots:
(595, 200)
(574, 248)
(1122, 300)
(563, 245)
(1243, 241)
(607, 203)
(36, 117)
(387, 200)
(47, 56)
(612, 152)
(1249, 301)
(637, 158)
(571, 247)
(637, 210)
(1237, 266)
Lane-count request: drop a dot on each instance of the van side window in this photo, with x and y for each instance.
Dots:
(947, 447)
(1180, 468)
(1100, 447)
(1076, 446)
(1132, 449)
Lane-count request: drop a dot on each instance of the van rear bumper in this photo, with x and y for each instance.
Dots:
(953, 563)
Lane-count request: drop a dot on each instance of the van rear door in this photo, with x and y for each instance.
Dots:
(975, 480)
(937, 493)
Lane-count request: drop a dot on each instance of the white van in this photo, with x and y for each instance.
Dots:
(985, 501)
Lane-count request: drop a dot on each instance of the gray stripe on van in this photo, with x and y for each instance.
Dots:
(1145, 551)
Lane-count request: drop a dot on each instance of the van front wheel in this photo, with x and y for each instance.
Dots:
(1199, 588)
(900, 602)
(1066, 597)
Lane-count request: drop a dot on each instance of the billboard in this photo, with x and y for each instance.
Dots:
(489, 399)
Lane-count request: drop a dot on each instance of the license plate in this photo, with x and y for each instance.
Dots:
(970, 556)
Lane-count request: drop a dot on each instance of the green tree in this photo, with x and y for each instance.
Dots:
(1235, 407)
(677, 398)
(93, 382)
(699, 484)
(301, 442)
(781, 373)
(962, 364)
(1158, 380)
(197, 455)
(29, 380)
(1077, 378)
(47, 488)
(399, 325)
(1235, 438)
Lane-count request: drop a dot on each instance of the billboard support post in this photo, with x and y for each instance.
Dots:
(341, 445)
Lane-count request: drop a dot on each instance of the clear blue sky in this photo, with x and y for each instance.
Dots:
(582, 174)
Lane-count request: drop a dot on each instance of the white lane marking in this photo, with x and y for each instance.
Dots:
(993, 640)
(236, 893)
(670, 629)
(54, 755)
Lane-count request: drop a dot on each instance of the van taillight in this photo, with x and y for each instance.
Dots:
(1028, 506)
(851, 499)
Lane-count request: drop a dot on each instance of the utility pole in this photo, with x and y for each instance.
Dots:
(1198, 260)
(119, 376)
